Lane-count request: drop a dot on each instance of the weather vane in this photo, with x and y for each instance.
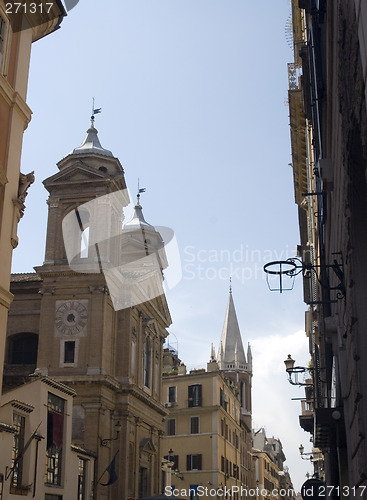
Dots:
(95, 111)
(140, 190)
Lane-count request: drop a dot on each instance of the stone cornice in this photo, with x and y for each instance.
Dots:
(58, 385)
(6, 297)
(104, 380)
(13, 99)
(137, 392)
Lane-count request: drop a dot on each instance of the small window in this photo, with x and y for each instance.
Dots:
(193, 462)
(195, 395)
(172, 394)
(69, 351)
(194, 425)
(171, 427)
(82, 473)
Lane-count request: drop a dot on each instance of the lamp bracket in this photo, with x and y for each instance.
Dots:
(293, 266)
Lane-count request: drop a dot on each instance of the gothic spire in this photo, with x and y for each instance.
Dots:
(231, 353)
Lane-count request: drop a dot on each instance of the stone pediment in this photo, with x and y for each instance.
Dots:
(146, 446)
(76, 173)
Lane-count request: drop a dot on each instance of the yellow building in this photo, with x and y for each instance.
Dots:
(37, 458)
(17, 33)
(272, 479)
(203, 429)
(208, 430)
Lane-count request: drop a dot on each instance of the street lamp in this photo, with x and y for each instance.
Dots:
(104, 442)
(295, 370)
(176, 472)
(305, 456)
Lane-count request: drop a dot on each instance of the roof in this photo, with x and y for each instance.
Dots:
(20, 277)
(91, 144)
(137, 220)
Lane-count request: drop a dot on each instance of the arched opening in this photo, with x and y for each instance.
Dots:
(83, 222)
(84, 243)
(22, 349)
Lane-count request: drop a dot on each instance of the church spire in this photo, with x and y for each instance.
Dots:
(231, 353)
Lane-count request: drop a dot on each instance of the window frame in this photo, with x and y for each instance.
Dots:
(171, 427)
(169, 398)
(191, 459)
(196, 419)
(195, 395)
(54, 456)
(63, 363)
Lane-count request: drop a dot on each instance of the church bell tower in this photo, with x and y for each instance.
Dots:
(103, 318)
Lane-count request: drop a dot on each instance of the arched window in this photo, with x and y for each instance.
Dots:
(84, 244)
(22, 349)
(147, 362)
(83, 223)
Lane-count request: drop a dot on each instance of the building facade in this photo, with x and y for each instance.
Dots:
(37, 458)
(69, 322)
(203, 429)
(272, 478)
(327, 100)
(17, 33)
(208, 429)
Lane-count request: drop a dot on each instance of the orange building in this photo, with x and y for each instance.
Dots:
(17, 33)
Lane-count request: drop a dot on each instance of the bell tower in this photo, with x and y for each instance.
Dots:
(237, 367)
(103, 318)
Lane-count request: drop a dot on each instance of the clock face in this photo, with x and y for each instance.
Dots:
(71, 317)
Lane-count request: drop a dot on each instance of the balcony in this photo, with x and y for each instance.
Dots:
(306, 419)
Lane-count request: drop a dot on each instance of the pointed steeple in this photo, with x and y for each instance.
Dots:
(231, 354)
(91, 144)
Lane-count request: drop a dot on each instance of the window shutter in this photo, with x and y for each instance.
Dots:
(199, 395)
(190, 396)
(188, 462)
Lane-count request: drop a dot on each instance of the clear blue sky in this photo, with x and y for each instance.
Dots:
(194, 103)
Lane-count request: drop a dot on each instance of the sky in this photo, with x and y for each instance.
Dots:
(194, 104)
